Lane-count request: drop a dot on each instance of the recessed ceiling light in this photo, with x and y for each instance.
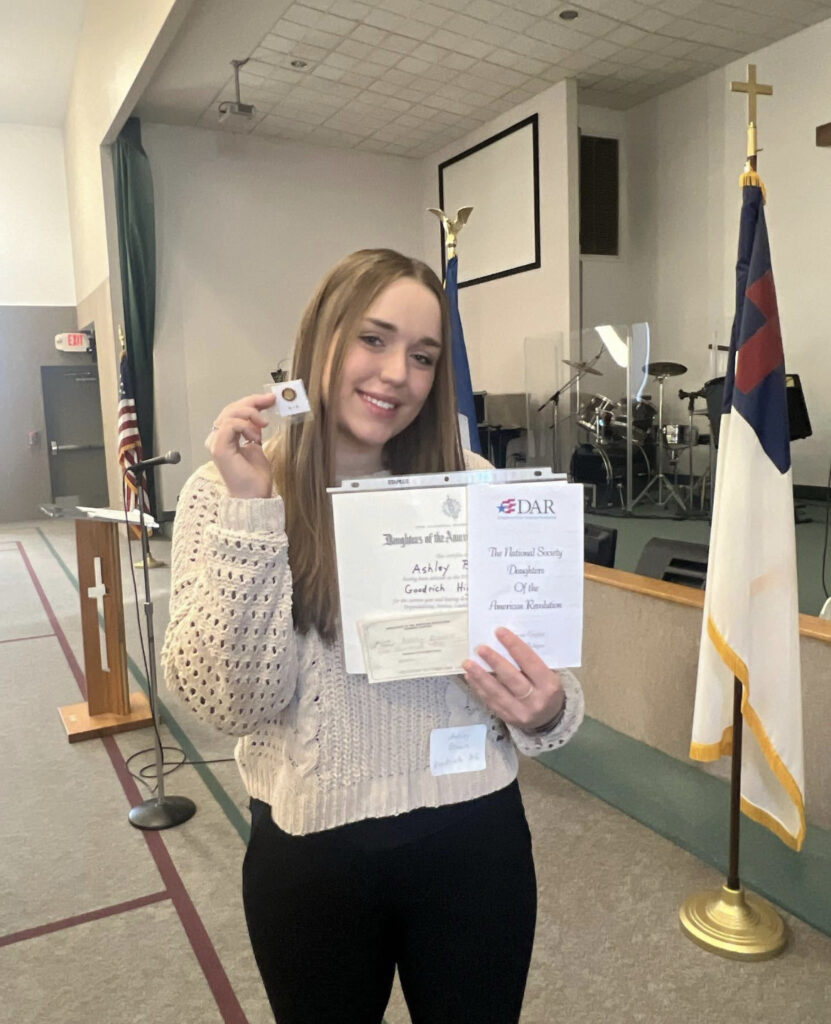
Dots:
(299, 64)
(569, 15)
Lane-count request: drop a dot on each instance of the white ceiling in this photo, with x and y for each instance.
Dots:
(396, 76)
(38, 43)
(407, 77)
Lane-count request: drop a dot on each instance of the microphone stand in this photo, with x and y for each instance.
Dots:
(160, 811)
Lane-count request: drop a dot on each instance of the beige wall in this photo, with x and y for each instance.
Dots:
(683, 152)
(499, 315)
(35, 252)
(640, 656)
(27, 342)
(121, 45)
(96, 309)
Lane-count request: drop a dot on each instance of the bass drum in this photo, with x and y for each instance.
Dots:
(604, 466)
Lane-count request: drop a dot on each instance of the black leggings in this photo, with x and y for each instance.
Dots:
(333, 913)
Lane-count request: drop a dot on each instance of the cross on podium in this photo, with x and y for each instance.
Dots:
(98, 593)
(109, 707)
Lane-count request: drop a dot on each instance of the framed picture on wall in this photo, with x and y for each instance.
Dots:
(500, 179)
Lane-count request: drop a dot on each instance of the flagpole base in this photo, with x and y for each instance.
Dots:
(734, 924)
(152, 563)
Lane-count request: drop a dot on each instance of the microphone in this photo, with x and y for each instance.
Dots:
(169, 458)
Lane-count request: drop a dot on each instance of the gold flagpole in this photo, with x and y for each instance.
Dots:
(730, 921)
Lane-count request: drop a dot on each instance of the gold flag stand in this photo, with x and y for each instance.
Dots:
(729, 921)
(152, 563)
(734, 923)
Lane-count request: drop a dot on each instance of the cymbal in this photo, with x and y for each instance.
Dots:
(583, 367)
(665, 369)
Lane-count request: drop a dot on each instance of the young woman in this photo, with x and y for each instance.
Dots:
(360, 860)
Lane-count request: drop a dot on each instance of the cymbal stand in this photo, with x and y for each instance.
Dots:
(555, 400)
(659, 476)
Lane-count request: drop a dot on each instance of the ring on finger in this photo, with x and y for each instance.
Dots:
(526, 695)
(215, 427)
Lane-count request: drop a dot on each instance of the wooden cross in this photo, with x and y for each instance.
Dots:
(98, 593)
(753, 89)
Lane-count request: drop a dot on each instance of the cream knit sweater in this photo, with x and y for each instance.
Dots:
(321, 746)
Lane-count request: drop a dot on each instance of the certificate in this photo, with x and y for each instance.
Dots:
(410, 646)
(525, 552)
(400, 552)
(427, 573)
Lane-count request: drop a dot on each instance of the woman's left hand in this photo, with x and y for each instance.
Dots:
(528, 696)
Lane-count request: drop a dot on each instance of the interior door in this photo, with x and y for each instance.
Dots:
(75, 434)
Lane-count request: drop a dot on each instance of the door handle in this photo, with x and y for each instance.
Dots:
(56, 449)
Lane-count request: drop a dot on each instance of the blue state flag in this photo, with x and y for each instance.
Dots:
(461, 367)
(750, 629)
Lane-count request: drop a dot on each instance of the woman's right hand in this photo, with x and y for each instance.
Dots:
(235, 443)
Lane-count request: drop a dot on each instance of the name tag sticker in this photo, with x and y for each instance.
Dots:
(458, 750)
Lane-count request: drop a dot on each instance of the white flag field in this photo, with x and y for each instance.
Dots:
(751, 614)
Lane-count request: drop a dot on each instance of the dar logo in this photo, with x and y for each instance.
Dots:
(508, 506)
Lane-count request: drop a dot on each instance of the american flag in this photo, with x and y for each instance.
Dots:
(129, 439)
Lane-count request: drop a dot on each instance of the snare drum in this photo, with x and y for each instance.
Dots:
(679, 435)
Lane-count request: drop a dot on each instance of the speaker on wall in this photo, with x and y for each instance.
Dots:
(598, 196)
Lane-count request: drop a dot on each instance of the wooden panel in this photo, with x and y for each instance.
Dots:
(107, 691)
(824, 134)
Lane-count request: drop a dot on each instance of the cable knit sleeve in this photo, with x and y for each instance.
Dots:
(229, 652)
(533, 744)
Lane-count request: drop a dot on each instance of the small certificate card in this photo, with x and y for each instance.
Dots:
(401, 553)
(525, 553)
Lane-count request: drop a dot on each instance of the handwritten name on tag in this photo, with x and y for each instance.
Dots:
(460, 749)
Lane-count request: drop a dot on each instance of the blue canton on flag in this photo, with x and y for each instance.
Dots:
(750, 629)
(461, 367)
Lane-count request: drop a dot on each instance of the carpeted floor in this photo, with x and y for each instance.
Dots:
(101, 922)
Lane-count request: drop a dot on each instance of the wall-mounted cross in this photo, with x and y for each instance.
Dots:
(753, 89)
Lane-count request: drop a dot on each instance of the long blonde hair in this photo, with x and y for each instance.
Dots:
(303, 458)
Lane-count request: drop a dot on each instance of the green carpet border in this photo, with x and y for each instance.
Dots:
(215, 787)
(691, 808)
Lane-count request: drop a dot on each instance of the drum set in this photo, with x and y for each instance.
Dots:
(601, 460)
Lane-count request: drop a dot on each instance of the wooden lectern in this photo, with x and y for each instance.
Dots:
(109, 707)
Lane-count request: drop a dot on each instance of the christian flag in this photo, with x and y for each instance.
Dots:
(461, 367)
(751, 618)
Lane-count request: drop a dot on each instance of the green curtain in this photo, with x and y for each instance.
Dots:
(137, 254)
